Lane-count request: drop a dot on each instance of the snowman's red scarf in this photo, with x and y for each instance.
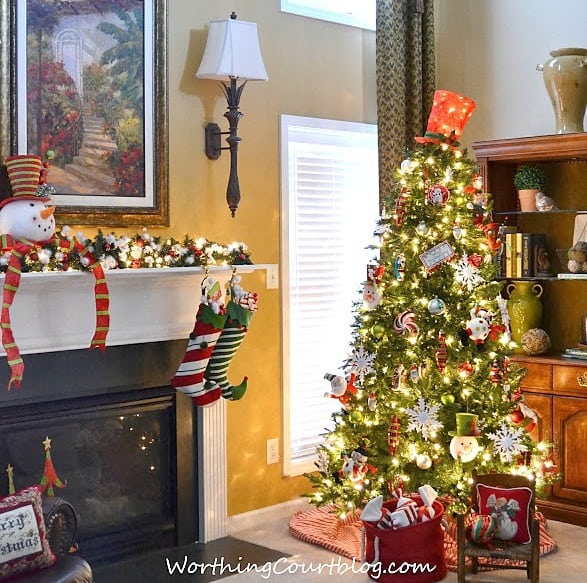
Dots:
(18, 249)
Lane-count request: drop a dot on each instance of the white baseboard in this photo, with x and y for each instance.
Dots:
(253, 518)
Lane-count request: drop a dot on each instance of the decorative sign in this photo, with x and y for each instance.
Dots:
(19, 533)
(439, 254)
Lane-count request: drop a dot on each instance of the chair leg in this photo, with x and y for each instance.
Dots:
(474, 564)
(460, 548)
(534, 564)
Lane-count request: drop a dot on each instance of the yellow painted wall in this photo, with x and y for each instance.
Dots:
(315, 69)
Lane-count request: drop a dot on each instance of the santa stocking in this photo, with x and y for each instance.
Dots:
(240, 310)
(189, 378)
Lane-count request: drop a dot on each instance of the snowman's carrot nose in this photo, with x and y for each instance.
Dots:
(46, 213)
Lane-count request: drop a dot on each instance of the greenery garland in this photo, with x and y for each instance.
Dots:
(124, 252)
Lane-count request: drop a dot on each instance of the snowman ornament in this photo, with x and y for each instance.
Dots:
(25, 220)
(26, 214)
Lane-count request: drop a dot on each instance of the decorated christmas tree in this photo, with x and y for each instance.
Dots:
(428, 391)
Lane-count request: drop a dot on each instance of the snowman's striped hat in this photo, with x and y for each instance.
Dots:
(24, 174)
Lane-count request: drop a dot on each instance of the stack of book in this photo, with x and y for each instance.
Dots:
(522, 254)
(579, 351)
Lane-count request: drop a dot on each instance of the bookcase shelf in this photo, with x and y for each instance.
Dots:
(564, 159)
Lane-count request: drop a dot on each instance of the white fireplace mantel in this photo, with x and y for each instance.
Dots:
(55, 311)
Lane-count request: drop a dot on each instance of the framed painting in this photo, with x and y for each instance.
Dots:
(84, 86)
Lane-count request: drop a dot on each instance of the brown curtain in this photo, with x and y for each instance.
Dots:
(405, 79)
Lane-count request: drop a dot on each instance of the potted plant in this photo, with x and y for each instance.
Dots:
(528, 180)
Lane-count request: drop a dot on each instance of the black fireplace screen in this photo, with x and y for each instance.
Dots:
(116, 459)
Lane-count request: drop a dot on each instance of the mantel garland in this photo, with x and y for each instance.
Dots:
(129, 252)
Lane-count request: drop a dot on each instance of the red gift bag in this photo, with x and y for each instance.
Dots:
(412, 554)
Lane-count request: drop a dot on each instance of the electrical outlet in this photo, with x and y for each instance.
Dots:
(272, 451)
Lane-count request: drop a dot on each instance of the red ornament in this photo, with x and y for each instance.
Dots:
(495, 375)
(400, 206)
(465, 369)
(475, 260)
(517, 416)
(441, 352)
(393, 435)
(375, 273)
(437, 194)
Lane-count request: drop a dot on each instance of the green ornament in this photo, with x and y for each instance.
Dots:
(447, 399)
(355, 416)
(378, 330)
(50, 154)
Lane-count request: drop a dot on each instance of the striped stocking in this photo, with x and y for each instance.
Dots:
(240, 313)
(189, 378)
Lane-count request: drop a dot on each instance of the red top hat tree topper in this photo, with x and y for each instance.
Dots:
(448, 117)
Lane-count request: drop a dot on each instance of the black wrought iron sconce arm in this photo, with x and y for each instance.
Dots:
(213, 140)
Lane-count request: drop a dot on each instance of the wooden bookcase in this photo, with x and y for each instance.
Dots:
(555, 387)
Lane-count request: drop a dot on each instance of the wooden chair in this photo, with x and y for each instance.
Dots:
(528, 553)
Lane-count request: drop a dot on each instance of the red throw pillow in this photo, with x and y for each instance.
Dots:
(23, 544)
(510, 507)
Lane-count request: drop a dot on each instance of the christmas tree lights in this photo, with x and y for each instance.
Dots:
(437, 392)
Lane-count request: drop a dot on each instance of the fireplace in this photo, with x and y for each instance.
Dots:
(113, 445)
(87, 402)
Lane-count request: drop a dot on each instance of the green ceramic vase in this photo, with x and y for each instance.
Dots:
(524, 308)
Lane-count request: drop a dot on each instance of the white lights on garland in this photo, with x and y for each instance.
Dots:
(130, 252)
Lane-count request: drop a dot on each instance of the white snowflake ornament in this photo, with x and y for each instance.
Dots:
(424, 418)
(466, 273)
(507, 442)
(362, 363)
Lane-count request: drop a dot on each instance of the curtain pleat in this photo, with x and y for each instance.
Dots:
(405, 79)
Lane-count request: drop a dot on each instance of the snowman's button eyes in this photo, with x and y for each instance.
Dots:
(31, 204)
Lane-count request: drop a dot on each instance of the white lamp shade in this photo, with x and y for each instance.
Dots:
(232, 50)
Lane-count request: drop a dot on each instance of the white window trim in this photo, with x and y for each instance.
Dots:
(290, 467)
(347, 12)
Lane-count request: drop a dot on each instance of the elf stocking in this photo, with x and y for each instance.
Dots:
(189, 378)
(240, 310)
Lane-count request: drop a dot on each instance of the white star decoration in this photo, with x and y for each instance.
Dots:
(466, 273)
(362, 363)
(506, 442)
(424, 418)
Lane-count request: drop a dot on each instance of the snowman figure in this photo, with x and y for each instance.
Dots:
(25, 220)
(26, 214)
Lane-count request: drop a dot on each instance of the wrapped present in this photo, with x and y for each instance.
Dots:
(404, 516)
(374, 511)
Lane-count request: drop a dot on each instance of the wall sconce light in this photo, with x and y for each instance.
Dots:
(232, 52)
